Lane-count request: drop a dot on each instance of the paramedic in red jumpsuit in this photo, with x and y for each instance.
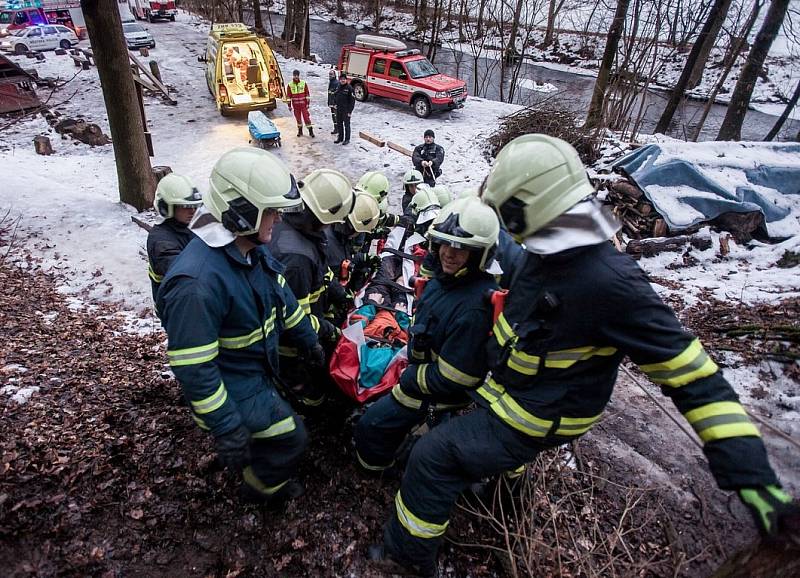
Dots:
(299, 99)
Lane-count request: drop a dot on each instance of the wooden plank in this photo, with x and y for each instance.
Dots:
(374, 140)
(146, 226)
(145, 70)
(399, 148)
(141, 81)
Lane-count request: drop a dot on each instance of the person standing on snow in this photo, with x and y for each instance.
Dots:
(428, 158)
(176, 200)
(299, 101)
(345, 102)
(333, 85)
(299, 243)
(447, 349)
(575, 308)
(225, 305)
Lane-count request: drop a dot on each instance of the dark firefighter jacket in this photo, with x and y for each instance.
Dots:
(428, 152)
(164, 243)
(569, 320)
(447, 346)
(344, 99)
(305, 257)
(224, 316)
(333, 85)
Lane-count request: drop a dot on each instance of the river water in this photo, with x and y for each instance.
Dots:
(327, 38)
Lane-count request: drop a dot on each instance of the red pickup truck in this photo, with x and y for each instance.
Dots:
(385, 67)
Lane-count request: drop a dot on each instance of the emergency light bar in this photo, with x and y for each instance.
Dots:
(409, 52)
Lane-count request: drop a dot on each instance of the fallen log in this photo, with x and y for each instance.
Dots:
(651, 247)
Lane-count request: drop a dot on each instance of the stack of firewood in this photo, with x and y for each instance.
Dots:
(638, 217)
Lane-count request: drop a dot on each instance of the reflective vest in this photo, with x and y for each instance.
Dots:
(298, 92)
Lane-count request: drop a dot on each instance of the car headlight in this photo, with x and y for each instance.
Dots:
(441, 95)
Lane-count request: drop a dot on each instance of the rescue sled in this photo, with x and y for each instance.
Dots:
(371, 353)
(263, 131)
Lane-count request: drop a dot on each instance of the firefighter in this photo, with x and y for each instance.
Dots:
(410, 181)
(447, 349)
(376, 184)
(428, 158)
(345, 101)
(576, 307)
(443, 194)
(176, 200)
(333, 84)
(348, 257)
(224, 306)
(299, 101)
(299, 242)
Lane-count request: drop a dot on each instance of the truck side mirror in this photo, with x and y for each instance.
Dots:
(403, 76)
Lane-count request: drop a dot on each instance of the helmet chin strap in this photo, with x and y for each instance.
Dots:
(253, 238)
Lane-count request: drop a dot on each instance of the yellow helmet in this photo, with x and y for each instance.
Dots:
(328, 194)
(175, 190)
(467, 224)
(365, 214)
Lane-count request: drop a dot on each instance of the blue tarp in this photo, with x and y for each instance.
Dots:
(687, 191)
(260, 126)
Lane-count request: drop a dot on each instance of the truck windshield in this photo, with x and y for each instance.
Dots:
(421, 68)
(5, 17)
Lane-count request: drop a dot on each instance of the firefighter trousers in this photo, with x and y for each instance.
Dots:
(385, 425)
(278, 439)
(443, 464)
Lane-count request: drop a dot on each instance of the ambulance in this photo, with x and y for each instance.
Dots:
(241, 70)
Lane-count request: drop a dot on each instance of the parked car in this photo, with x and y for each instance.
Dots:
(241, 70)
(38, 38)
(385, 67)
(137, 36)
(153, 10)
(12, 19)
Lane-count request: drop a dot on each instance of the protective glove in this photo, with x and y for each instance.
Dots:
(328, 331)
(316, 356)
(389, 220)
(772, 509)
(233, 448)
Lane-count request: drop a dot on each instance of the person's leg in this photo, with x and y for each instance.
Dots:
(276, 448)
(381, 431)
(346, 128)
(307, 120)
(442, 465)
(333, 118)
(298, 119)
(339, 126)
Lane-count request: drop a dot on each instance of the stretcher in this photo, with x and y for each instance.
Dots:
(262, 130)
(371, 353)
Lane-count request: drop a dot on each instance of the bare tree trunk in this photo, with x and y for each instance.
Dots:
(702, 58)
(595, 114)
(720, 6)
(731, 128)
(422, 16)
(461, 15)
(553, 7)
(305, 35)
(511, 49)
(378, 8)
(134, 173)
(481, 11)
(784, 115)
(288, 24)
(727, 64)
(239, 10)
(257, 21)
(449, 24)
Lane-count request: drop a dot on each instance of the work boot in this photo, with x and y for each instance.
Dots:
(277, 500)
(311, 131)
(346, 141)
(379, 558)
(338, 140)
(299, 131)
(334, 131)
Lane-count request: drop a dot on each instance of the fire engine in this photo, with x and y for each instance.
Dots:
(385, 67)
(153, 9)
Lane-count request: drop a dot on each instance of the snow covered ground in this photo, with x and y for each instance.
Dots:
(72, 219)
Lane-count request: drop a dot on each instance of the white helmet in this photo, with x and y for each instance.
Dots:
(412, 177)
(328, 194)
(244, 183)
(365, 214)
(467, 224)
(424, 198)
(443, 194)
(175, 191)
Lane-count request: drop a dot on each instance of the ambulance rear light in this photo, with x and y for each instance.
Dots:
(223, 93)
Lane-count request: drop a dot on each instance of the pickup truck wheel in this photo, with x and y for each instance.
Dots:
(172, 18)
(150, 18)
(360, 91)
(20, 49)
(421, 106)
